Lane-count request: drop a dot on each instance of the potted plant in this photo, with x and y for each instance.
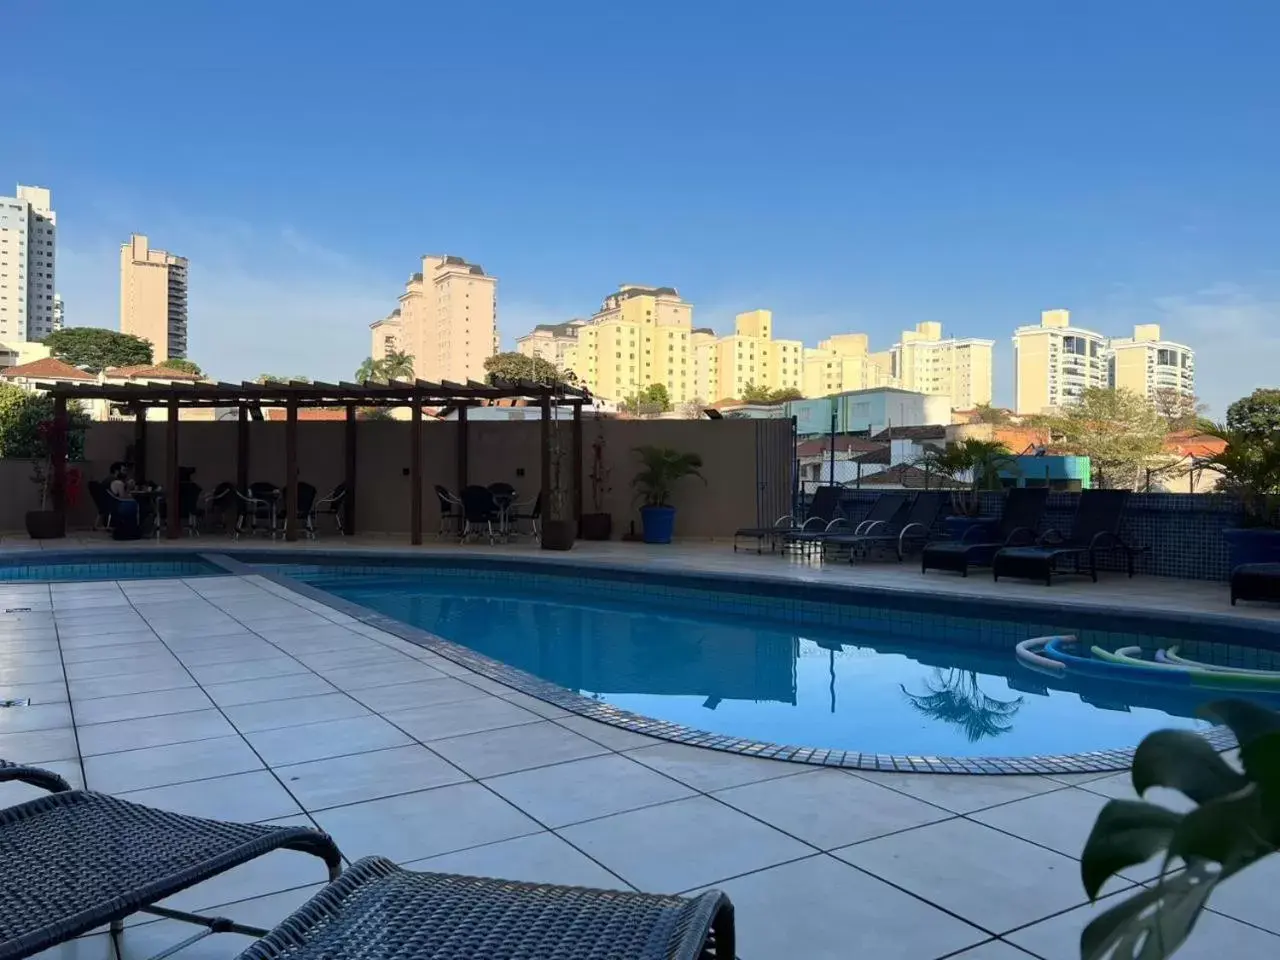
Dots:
(557, 523)
(598, 524)
(1249, 466)
(48, 523)
(660, 468)
(974, 466)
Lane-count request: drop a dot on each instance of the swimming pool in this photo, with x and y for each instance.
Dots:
(52, 568)
(878, 680)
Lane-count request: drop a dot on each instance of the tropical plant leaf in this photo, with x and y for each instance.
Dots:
(1232, 831)
(1152, 924)
(1185, 762)
(1247, 721)
(1126, 833)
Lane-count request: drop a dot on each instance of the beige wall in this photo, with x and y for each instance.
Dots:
(499, 451)
(146, 308)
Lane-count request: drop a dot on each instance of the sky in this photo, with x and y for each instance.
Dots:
(852, 166)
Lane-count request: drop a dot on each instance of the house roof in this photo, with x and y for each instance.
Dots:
(927, 432)
(879, 455)
(844, 444)
(150, 371)
(1192, 443)
(909, 478)
(47, 368)
(282, 415)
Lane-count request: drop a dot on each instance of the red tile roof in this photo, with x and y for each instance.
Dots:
(844, 444)
(150, 372)
(307, 413)
(1192, 443)
(48, 368)
(909, 477)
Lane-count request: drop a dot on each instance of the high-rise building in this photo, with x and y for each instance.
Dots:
(153, 298)
(59, 312)
(957, 368)
(1149, 366)
(1055, 362)
(640, 336)
(843, 363)
(448, 319)
(385, 336)
(552, 342)
(751, 357)
(28, 245)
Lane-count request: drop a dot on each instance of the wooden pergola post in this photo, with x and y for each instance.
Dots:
(415, 476)
(173, 521)
(140, 444)
(577, 462)
(547, 497)
(291, 471)
(58, 460)
(242, 449)
(349, 471)
(463, 473)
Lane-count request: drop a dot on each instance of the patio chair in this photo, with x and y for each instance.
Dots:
(1096, 527)
(379, 911)
(518, 512)
(46, 779)
(104, 504)
(823, 508)
(219, 503)
(306, 509)
(1256, 581)
(912, 527)
(335, 505)
(885, 508)
(478, 510)
(189, 506)
(258, 504)
(1023, 508)
(448, 512)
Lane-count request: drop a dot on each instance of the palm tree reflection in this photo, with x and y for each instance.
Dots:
(953, 697)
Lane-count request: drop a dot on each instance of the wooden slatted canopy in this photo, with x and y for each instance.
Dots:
(137, 398)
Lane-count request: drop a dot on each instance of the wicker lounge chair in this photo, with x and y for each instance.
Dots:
(45, 779)
(886, 507)
(1255, 581)
(823, 508)
(78, 860)
(913, 527)
(1023, 508)
(379, 911)
(1096, 527)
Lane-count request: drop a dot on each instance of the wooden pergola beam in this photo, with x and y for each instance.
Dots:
(173, 525)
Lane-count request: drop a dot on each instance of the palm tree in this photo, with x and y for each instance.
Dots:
(972, 462)
(397, 365)
(371, 369)
(954, 697)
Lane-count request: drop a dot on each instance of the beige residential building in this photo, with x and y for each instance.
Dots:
(29, 308)
(385, 336)
(751, 357)
(640, 336)
(1055, 362)
(923, 361)
(552, 342)
(448, 320)
(1148, 365)
(843, 363)
(706, 365)
(153, 298)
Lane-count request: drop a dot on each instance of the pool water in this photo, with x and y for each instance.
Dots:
(875, 690)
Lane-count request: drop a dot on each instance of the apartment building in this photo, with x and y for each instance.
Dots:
(640, 336)
(28, 258)
(153, 298)
(961, 369)
(448, 319)
(843, 363)
(385, 336)
(552, 342)
(751, 357)
(1055, 362)
(1149, 366)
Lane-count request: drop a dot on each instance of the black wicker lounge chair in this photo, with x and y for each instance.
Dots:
(1096, 527)
(379, 911)
(1255, 581)
(46, 779)
(1023, 508)
(886, 507)
(899, 532)
(823, 508)
(78, 860)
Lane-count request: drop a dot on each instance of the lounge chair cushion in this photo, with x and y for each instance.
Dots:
(1256, 581)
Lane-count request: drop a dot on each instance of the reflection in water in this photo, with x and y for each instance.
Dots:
(954, 697)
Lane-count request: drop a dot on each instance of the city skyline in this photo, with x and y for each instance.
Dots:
(962, 167)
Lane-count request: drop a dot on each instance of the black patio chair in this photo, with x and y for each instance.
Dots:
(258, 508)
(1023, 508)
(104, 504)
(305, 513)
(884, 510)
(533, 514)
(1096, 527)
(1255, 581)
(478, 510)
(450, 510)
(824, 506)
(189, 506)
(45, 779)
(219, 503)
(899, 532)
(335, 505)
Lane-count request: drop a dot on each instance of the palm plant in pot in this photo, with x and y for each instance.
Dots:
(974, 466)
(1249, 468)
(660, 468)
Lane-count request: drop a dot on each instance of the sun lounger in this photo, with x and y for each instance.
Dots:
(823, 508)
(886, 507)
(45, 779)
(1096, 527)
(1255, 581)
(1023, 508)
(913, 527)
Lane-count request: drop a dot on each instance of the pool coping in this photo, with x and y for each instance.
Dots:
(1099, 761)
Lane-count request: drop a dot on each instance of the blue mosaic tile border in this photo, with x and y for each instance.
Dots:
(1096, 761)
(55, 570)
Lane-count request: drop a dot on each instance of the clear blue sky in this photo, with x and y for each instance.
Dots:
(850, 165)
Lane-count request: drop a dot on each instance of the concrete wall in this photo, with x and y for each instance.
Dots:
(499, 451)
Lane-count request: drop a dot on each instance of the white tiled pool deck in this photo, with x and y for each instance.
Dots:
(234, 698)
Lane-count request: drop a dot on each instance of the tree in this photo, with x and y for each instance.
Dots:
(785, 394)
(22, 413)
(692, 409)
(278, 378)
(1257, 414)
(986, 413)
(371, 369)
(186, 366)
(972, 462)
(1119, 431)
(94, 348)
(753, 394)
(652, 399)
(1179, 411)
(516, 366)
(397, 365)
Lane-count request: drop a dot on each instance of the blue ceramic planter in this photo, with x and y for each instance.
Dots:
(658, 523)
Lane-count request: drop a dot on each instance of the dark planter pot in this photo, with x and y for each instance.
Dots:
(596, 526)
(46, 525)
(658, 522)
(957, 527)
(557, 535)
(1252, 545)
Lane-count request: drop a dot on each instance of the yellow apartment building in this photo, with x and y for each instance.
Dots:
(961, 369)
(750, 356)
(385, 336)
(1055, 362)
(706, 365)
(1148, 365)
(842, 363)
(552, 342)
(448, 320)
(153, 298)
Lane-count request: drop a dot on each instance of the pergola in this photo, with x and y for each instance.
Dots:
(294, 396)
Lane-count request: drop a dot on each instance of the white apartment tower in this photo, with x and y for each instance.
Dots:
(28, 239)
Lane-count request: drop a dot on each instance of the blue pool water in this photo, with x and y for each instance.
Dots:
(903, 683)
(39, 571)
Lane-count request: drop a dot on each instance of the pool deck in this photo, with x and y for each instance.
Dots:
(234, 697)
